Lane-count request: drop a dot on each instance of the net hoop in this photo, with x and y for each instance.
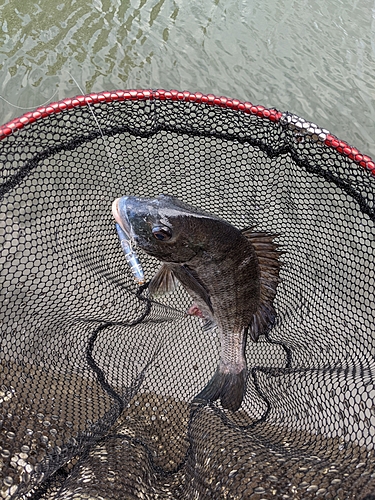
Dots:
(284, 118)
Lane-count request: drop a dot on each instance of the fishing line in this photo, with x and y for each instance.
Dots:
(110, 154)
(32, 108)
(91, 111)
(126, 244)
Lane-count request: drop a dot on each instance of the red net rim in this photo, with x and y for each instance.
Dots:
(274, 115)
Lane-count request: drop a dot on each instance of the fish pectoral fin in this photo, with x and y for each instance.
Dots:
(163, 282)
(190, 281)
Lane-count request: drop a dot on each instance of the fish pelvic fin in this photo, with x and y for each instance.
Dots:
(229, 387)
(268, 254)
(163, 282)
(190, 280)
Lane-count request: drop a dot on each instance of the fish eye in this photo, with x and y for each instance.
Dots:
(162, 233)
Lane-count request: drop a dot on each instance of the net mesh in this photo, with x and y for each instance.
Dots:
(96, 379)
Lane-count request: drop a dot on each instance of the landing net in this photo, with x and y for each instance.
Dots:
(96, 379)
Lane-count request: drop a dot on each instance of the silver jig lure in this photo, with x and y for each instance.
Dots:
(130, 256)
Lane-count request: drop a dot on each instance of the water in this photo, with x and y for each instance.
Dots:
(311, 57)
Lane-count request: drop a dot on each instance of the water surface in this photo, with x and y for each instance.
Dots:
(311, 57)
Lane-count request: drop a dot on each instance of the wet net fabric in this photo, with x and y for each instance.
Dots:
(96, 379)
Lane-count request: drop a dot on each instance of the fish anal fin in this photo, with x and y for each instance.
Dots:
(268, 254)
(163, 282)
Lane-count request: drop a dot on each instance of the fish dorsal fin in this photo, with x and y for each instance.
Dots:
(268, 254)
(163, 282)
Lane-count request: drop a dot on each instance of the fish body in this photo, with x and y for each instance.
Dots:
(230, 274)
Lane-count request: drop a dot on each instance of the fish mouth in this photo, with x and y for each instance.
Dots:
(123, 222)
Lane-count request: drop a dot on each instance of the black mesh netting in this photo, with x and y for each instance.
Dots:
(97, 380)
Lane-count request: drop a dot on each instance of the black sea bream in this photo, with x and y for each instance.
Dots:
(231, 275)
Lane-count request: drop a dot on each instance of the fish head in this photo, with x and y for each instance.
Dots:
(164, 227)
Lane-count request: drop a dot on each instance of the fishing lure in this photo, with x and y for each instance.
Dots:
(130, 256)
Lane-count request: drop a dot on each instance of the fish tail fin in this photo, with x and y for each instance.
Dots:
(268, 254)
(229, 387)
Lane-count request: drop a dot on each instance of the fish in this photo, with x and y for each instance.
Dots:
(231, 275)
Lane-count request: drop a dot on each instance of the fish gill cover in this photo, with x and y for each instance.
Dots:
(97, 377)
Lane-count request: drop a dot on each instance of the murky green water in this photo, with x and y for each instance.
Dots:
(313, 57)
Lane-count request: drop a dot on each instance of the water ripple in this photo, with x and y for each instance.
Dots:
(314, 57)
